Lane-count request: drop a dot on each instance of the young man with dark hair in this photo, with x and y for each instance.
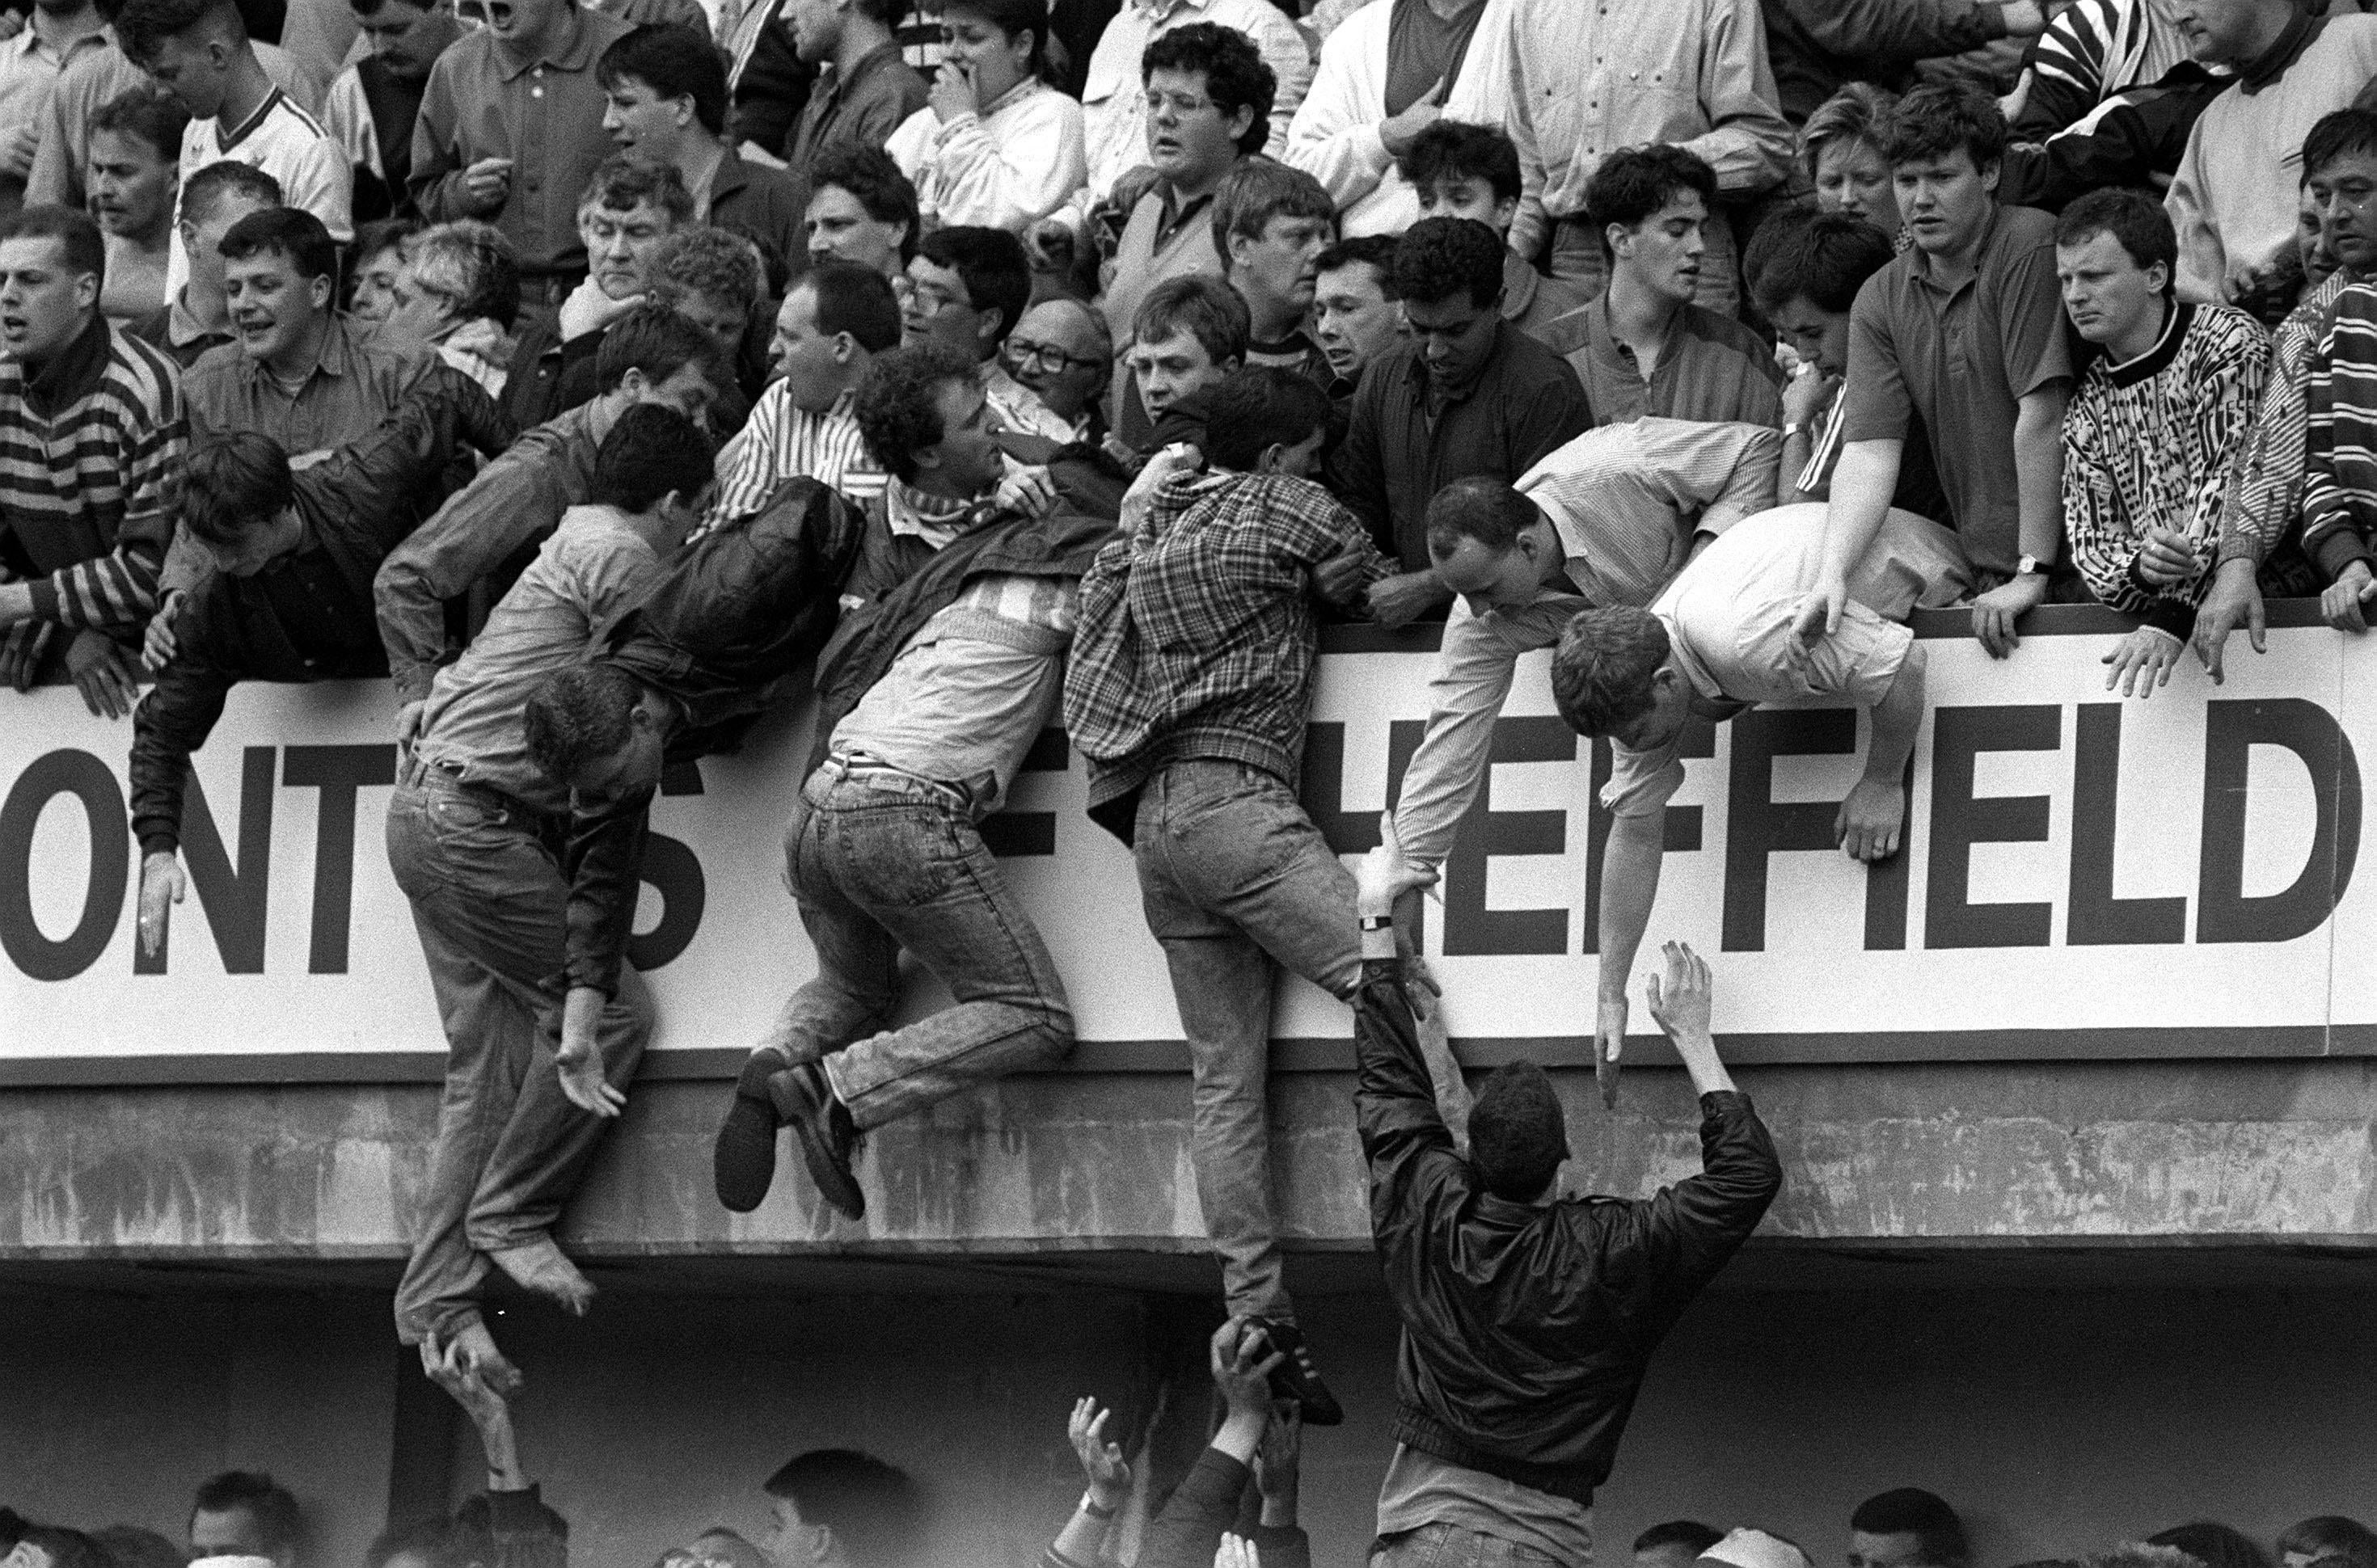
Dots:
(1609, 518)
(927, 700)
(135, 176)
(510, 132)
(1189, 333)
(194, 318)
(1456, 169)
(665, 100)
(288, 592)
(1906, 1529)
(967, 287)
(1528, 1319)
(2152, 431)
(91, 437)
(835, 321)
(1357, 316)
(1468, 394)
(2228, 203)
(246, 1514)
(862, 210)
(1648, 349)
(1209, 97)
(1676, 1544)
(651, 355)
(1271, 224)
(198, 51)
(524, 913)
(839, 1507)
(864, 92)
(1720, 640)
(298, 374)
(374, 104)
(1187, 694)
(1964, 332)
(2261, 526)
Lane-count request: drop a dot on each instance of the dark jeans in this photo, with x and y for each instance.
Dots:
(489, 901)
(1451, 1546)
(881, 866)
(1234, 876)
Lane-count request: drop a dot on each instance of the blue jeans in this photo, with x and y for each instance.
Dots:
(1577, 257)
(1451, 1546)
(490, 903)
(1234, 876)
(876, 871)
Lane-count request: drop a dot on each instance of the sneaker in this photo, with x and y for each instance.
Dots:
(805, 1102)
(1296, 1378)
(743, 1162)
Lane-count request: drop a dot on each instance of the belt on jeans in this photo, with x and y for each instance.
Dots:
(869, 774)
(485, 794)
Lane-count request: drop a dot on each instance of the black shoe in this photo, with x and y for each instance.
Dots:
(826, 1134)
(743, 1162)
(1296, 1378)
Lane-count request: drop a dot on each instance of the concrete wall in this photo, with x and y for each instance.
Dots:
(2059, 1418)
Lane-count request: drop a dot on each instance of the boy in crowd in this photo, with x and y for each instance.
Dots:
(95, 529)
(512, 131)
(1271, 224)
(862, 210)
(665, 89)
(2151, 433)
(1457, 170)
(195, 319)
(1976, 292)
(1649, 349)
(1190, 334)
(135, 178)
(374, 104)
(1466, 393)
(198, 51)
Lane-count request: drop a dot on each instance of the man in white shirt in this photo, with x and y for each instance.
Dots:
(31, 64)
(838, 317)
(198, 51)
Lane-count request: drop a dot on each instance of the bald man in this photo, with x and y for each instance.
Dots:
(1062, 351)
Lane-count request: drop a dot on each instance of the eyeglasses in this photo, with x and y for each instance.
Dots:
(1180, 103)
(1022, 354)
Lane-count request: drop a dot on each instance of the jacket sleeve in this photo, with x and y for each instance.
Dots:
(1896, 33)
(1410, 1152)
(1692, 1229)
(2224, 429)
(2335, 510)
(170, 725)
(55, 179)
(1360, 468)
(604, 863)
(1557, 413)
(1009, 184)
(2203, 263)
(473, 534)
(1334, 137)
(1201, 1508)
(382, 478)
(1749, 143)
(436, 178)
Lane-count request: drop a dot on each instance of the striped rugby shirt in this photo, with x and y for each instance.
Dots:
(2340, 466)
(91, 449)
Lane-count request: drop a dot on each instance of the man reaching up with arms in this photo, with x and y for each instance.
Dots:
(1528, 1319)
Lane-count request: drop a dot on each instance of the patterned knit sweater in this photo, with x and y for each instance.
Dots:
(2148, 444)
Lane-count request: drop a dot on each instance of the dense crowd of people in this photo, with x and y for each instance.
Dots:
(594, 371)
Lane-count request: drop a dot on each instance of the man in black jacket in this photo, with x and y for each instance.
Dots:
(1529, 1320)
(290, 594)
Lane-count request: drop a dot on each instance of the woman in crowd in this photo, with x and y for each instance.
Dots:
(996, 146)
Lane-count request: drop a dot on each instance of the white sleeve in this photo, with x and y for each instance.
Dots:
(1335, 135)
(346, 115)
(1014, 180)
(322, 182)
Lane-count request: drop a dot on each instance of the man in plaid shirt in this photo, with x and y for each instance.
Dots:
(1191, 671)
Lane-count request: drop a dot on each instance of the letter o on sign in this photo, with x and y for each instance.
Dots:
(87, 778)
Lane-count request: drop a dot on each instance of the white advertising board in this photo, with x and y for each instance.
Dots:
(2083, 877)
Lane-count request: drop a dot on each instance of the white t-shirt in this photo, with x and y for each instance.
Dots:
(286, 142)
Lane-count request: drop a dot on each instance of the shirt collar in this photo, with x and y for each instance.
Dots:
(1418, 381)
(28, 41)
(1919, 266)
(75, 373)
(1016, 94)
(567, 53)
(229, 136)
(933, 518)
(1161, 11)
(731, 175)
(2177, 319)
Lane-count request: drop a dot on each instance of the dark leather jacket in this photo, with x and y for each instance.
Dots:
(1527, 1330)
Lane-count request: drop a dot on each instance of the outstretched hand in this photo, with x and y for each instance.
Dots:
(1101, 1462)
(1242, 1362)
(1681, 1007)
(1385, 875)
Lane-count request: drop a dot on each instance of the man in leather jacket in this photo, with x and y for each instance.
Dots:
(1529, 1319)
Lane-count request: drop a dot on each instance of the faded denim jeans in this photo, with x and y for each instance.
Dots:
(877, 870)
(1451, 1546)
(1234, 876)
(490, 903)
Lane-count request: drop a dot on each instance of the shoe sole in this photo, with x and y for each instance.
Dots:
(805, 1116)
(1295, 1379)
(743, 1160)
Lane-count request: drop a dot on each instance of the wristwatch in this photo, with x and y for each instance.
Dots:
(2030, 567)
